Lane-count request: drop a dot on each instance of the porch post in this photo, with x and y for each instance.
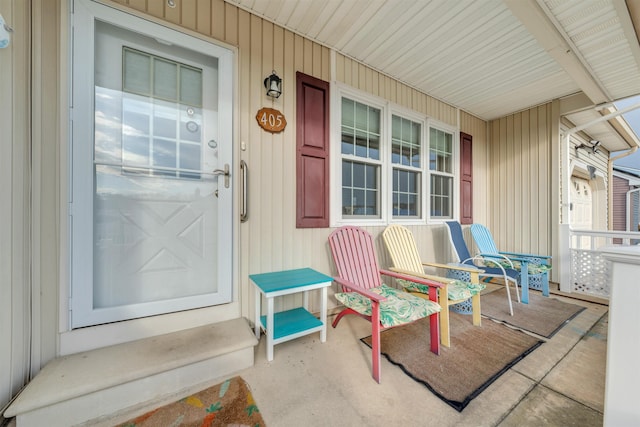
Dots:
(564, 236)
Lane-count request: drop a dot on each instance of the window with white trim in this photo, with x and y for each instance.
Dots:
(394, 165)
(442, 173)
(406, 163)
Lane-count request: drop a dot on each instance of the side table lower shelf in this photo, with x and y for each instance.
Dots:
(292, 324)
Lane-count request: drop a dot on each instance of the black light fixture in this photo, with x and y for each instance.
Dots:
(273, 84)
(591, 149)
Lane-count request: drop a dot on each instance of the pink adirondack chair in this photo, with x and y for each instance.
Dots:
(364, 294)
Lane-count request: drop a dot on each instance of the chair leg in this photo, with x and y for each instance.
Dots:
(545, 284)
(434, 329)
(506, 283)
(515, 285)
(375, 340)
(524, 282)
(443, 300)
(434, 323)
(341, 315)
(475, 304)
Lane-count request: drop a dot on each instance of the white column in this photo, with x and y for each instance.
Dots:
(623, 342)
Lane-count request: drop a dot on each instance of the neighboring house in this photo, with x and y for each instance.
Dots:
(626, 199)
(125, 210)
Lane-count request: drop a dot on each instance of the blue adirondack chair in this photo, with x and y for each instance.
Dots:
(463, 256)
(534, 269)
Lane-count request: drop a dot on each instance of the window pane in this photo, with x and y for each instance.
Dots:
(362, 117)
(347, 176)
(189, 156)
(348, 113)
(348, 145)
(359, 177)
(137, 72)
(405, 144)
(360, 130)
(441, 196)
(371, 203)
(403, 176)
(165, 125)
(135, 150)
(396, 127)
(371, 180)
(189, 159)
(164, 155)
(135, 123)
(347, 198)
(359, 204)
(361, 144)
(360, 189)
(165, 79)
(440, 151)
(374, 120)
(406, 194)
(191, 86)
(374, 147)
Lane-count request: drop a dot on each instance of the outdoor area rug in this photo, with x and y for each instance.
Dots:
(226, 404)
(477, 357)
(543, 316)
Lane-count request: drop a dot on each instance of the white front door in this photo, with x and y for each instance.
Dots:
(151, 171)
(581, 204)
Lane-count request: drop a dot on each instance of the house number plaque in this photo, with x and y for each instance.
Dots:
(271, 120)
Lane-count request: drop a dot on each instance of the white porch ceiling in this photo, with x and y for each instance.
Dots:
(487, 57)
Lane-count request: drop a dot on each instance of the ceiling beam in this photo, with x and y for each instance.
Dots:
(539, 24)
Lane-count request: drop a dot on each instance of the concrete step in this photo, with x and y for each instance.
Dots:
(97, 385)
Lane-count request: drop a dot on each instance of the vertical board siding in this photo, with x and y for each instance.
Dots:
(620, 188)
(519, 203)
(15, 319)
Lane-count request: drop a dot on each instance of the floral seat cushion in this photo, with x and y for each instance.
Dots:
(399, 308)
(531, 267)
(457, 290)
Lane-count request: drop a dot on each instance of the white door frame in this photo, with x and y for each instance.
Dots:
(84, 8)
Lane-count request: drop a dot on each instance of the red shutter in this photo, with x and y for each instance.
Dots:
(312, 152)
(466, 179)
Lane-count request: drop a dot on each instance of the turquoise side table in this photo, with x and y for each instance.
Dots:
(290, 324)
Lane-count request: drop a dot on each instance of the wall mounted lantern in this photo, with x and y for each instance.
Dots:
(273, 84)
(591, 149)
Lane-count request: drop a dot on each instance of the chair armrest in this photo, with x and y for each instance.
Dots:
(503, 257)
(455, 266)
(360, 290)
(473, 271)
(423, 279)
(526, 256)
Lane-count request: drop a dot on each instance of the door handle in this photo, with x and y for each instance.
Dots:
(224, 172)
(244, 215)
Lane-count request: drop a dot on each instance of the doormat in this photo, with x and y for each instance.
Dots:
(227, 404)
(543, 316)
(477, 357)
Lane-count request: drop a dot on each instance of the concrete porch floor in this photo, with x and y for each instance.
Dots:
(310, 383)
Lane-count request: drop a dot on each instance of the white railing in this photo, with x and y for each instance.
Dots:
(590, 272)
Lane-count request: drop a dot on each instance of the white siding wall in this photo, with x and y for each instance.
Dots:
(14, 200)
(521, 181)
